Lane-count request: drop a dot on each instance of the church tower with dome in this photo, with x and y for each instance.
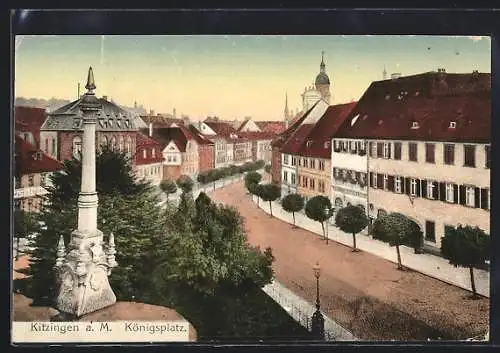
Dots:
(322, 82)
(319, 90)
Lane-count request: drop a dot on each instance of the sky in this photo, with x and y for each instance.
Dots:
(231, 76)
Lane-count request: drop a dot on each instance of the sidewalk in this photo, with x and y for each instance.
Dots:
(301, 311)
(430, 265)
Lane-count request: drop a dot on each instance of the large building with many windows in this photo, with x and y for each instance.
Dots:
(425, 142)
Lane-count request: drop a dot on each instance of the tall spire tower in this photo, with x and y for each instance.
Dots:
(322, 81)
(384, 74)
(83, 271)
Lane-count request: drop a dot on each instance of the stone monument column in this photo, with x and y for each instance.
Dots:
(83, 271)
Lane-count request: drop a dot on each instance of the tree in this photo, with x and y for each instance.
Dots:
(267, 168)
(292, 203)
(466, 247)
(394, 228)
(351, 219)
(168, 187)
(319, 208)
(185, 183)
(25, 224)
(252, 178)
(259, 164)
(270, 192)
(127, 207)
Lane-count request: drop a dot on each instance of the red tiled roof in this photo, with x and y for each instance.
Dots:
(282, 138)
(161, 121)
(295, 141)
(27, 164)
(30, 119)
(276, 127)
(388, 109)
(180, 135)
(202, 140)
(145, 142)
(223, 129)
(257, 135)
(315, 144)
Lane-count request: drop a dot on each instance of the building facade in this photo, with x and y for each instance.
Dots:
(148, 159)
(32, 175)
(206, 150)
(427, 140)
(116, 127)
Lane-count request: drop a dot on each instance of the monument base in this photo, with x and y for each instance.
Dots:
(84, 285)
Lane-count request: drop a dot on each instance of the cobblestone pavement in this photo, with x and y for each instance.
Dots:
(363, 292)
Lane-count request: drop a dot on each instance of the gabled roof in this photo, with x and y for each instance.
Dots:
(275, 127)
(256, 135)
(223, 129)
(161, 121)
(199, 137)
(180, 135)
(391, 109)
(29, 119)
(145, 142)
(317, 142)
(282, 138)
(25, 160)
(111, 117)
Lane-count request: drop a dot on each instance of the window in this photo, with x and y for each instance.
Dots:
(430, 231)
(321, 165)
(485, 199)
(47, 145)
(413, 187)
(414, 125)
(113, 143)
(31, 180)
(312, 163)
(470, 156)
(285, 176)
(381, 213)
(431, 190)
(450, 193)
(412, 152)
(449, 154)
(453, 124)
(373, 149)
(321, 186)
(386, 182)
(53, 147)
(294, 161)
(122, 144)
(293, 178)
(304, 162)
(77, 147)
(153, 153)
(144, 153)
(304, 182)
(380, 149)
(312, 184)
(387, 150)
(430, 153)
(487, 150)
(344, 146)
(397, 150)
(336, 172)
(397, 184)
(374, 180)
(326, 145)
(470, 196)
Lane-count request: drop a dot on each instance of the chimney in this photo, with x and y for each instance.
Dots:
(151, 112)
(150, 129)
(395, 75)
(105, 98)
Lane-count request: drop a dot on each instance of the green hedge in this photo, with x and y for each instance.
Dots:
(213, 175)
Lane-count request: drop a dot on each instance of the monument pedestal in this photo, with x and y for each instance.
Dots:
(84, 285)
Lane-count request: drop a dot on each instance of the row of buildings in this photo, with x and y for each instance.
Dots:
(159, 147)
(418, 145)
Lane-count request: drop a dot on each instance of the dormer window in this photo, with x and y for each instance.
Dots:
(453, 124)
(37, 156)
(76, 123)
(110, 122)
(387, 97)
(309, 143)
(327, 144)
(127, 123)
(415, 125)
(118, 122)
(101, 122)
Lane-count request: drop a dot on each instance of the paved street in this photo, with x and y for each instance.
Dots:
(364, 293)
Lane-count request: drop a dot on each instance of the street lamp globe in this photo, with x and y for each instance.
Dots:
(317, 270)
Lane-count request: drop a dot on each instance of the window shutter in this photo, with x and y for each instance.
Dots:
(389, 154)
(455, 193)
(423, 190)
(435, 191)
(419, 194)
(370, 147)
(462, 194)
(380, 147)
(380, 181)
(371, 179)
(407, 185)
(390, 183)
(477, 197)
(484, 199)
(442, 191)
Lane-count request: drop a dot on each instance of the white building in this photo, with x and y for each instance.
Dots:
(428, 150)
(148, 159)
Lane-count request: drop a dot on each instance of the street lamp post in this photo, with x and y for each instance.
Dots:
(318, 321)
